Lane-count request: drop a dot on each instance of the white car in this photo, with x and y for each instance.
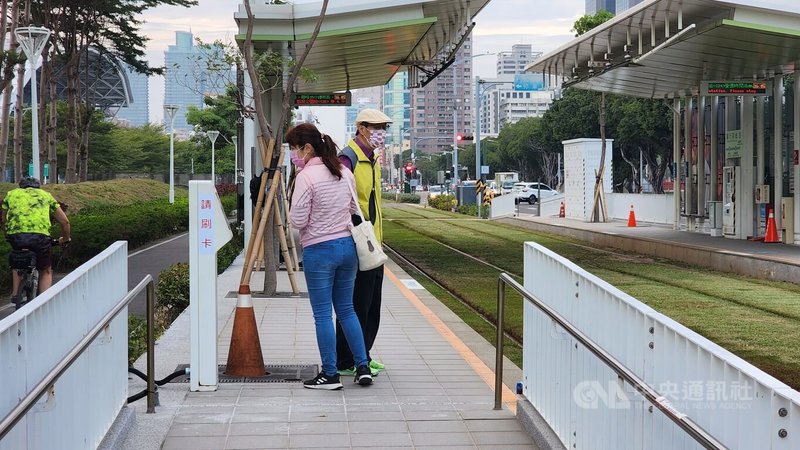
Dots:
(435, 191)
(527, 191)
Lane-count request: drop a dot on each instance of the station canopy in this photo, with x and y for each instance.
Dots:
(667, 48)
(364, 43)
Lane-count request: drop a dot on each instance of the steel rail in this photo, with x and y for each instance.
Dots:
(22, 408)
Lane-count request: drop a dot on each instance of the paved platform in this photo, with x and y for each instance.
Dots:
(436, 392)
(753, 258)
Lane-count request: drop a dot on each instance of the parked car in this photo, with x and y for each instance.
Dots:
(435, 191)
(507, 187)
(527, 191)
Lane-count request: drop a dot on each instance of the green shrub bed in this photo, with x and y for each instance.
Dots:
(443, 202)
(401, 198)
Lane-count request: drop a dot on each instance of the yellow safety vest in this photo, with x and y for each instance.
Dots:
(368, 183)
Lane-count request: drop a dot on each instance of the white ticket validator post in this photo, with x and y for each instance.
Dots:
(208, 232)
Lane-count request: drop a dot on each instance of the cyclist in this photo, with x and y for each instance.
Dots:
(26, 214)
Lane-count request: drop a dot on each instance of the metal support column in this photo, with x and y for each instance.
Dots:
(747, 196)
(760, 128)
(714, 149)
(796, 168)
(676, 157)
(688, 202)
(701, 162)
(777, 142)
(248, 144)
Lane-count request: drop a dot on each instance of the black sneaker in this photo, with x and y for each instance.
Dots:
(363, 375)
(323, 381)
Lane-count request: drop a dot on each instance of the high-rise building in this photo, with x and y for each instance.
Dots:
(622, 5)
(500, 103)
(444, 106)
(594, 6)
(187, 77)
(137, 113)
(515, 61)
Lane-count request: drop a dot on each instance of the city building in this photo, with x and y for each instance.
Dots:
(444, 106)
(622, 5)
(501, 104)
(594, 6)
(362, 99)
(188, 79)
(137, 113)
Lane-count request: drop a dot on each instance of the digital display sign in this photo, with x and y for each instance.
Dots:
(736, 88)
(321, 99)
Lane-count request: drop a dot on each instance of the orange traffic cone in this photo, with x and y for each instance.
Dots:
(562, 211)
(631, 218)
(772, 230)
(244, 355)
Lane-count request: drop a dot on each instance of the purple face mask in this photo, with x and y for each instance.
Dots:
(377, 138)
(297, 160)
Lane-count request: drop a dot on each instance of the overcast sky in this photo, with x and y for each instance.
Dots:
(500, 25)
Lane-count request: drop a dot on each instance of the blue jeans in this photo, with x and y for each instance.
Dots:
(330, 268)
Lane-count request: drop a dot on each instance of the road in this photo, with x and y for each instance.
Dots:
(149, 260)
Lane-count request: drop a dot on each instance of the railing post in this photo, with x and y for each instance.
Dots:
(151, 357)
(498, 364)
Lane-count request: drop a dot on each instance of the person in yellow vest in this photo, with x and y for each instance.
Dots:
(360, 156)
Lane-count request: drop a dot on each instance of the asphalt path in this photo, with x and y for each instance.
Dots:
(149, 260)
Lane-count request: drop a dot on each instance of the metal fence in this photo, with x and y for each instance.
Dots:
(78, 410)
(588, 405)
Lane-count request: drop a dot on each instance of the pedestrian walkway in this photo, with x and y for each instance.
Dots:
(436, 391)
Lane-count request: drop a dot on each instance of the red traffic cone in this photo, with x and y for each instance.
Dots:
(562, 211)
(772, 230)
(631, 218)
(244, 354)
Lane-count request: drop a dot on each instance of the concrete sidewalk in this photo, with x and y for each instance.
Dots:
(436, 391)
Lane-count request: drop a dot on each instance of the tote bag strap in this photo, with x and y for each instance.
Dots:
(355, 199)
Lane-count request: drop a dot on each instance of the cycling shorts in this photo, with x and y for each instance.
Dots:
(35, 242)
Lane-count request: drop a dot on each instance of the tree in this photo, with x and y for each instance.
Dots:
(587, 22)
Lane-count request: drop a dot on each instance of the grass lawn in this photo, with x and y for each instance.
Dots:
(756, 319)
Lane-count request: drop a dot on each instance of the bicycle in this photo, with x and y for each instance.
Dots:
(23, 261)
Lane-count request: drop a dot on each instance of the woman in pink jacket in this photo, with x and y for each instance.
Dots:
(322, 205)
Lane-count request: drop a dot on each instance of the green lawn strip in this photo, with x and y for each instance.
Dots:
(477, 323)
(400, 211)
(466, 278)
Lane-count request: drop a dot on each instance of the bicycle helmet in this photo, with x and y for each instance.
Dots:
(29, 182)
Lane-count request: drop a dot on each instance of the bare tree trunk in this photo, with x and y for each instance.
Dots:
(84, 144)
(598, 206)
(18, 125)
(52, 130)
(8, 75)
(71, 175)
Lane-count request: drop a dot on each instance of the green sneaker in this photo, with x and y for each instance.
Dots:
(351, 371)
(376, 366)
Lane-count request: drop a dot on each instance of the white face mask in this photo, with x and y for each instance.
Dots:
(377, 138)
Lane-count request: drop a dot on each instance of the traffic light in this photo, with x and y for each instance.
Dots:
(409, 168)
(459, 137)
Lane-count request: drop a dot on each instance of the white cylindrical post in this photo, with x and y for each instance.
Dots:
(212, 136)
(171, 110)
(34, 122)
(32, 40)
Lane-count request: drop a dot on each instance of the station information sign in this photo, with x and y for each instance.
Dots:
(321, 99)
(736, 88)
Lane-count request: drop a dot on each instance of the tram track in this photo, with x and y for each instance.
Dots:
(465, 302)
(470, 226)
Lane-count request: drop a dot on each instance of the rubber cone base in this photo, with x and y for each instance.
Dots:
(244, 355)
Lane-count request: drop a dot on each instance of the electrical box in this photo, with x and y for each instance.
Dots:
(762, 193)
(731, 181)
(787, 219)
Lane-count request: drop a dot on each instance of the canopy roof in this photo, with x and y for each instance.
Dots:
(364, 43)
(666, 48)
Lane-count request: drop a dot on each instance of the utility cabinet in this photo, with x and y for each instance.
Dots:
(581, 163)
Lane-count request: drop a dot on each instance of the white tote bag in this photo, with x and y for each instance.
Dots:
(370, 252)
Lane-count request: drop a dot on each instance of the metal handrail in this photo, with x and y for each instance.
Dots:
(50, 379)
(684, 422)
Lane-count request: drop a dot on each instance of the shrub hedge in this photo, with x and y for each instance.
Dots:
(402, 198)
(444, 202)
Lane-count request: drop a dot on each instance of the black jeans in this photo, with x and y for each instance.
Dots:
(367, 304)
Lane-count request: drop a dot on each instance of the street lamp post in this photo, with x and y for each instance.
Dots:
(212, 136)
(479, 102)
(171, 110)
(32, 40)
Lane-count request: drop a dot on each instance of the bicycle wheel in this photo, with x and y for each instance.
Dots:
(26, 290)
